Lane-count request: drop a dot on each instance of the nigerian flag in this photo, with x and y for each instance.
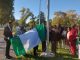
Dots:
(22, 43)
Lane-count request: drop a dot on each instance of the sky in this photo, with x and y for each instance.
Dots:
(55, 5)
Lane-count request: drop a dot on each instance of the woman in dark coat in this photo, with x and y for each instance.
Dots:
(53, 37)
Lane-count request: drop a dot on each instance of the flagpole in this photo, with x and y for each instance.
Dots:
(39, 9)
(47, 19)
(47, 53)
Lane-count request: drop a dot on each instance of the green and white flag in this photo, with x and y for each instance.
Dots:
(22, 43)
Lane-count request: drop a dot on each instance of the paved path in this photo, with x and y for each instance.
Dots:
(2, 49)
(3, 45)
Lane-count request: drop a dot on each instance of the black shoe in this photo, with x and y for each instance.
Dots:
(35, 54)
(8, 57)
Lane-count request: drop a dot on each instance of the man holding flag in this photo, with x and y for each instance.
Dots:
(7, 35)
(23, 43)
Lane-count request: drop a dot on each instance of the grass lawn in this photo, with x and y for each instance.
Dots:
(62, 54)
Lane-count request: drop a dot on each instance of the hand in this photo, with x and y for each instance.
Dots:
(6, 38)
(77, 37)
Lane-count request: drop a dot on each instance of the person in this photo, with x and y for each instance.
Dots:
(41, 28)
(68, 36)
(60, 30)
(72, 39)
(44, 42)
(79, 32)
(64, 36)
(18, 30)
(7, 35)
(52, 39)
(35, 49)
(78, 40)
(22, 28)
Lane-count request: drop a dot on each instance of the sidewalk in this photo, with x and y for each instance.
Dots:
(2, 50)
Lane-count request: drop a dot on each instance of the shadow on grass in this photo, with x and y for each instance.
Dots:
(67, 56)
(57, 57)
(62, 55)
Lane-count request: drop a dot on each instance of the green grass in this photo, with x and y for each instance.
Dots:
(62, 54)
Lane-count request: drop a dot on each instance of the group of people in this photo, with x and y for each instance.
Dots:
(68, 35)
(56, 34)
(19, 30)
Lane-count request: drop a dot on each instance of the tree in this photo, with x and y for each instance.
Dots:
(60, 14)
(6, 11)
(78, 21)
(59, 18)
(72, 16)
(65, 18)
(25, 14)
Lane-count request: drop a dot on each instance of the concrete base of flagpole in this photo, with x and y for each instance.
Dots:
(47, 54)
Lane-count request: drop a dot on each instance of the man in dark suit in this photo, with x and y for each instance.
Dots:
(7, 36)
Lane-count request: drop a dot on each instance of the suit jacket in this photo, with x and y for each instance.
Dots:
(8, 31)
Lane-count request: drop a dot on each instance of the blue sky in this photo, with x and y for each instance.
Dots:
(55, 5)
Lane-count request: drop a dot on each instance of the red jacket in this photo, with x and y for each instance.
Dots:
(73, 34)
